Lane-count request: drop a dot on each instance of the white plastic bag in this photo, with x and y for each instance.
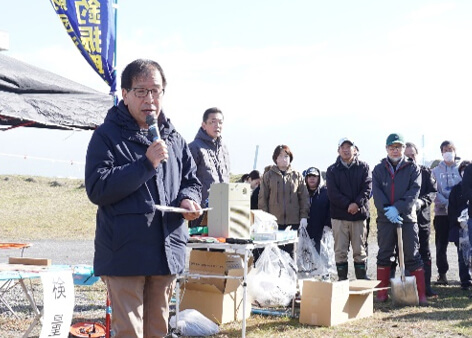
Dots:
(273, 281)
(464, 243)
(264, 222)
(193, 324)
(308, 259)
(328, 260)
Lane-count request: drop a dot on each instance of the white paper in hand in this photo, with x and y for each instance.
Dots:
(167, 208)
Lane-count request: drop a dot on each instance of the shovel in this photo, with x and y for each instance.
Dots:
(404, 291)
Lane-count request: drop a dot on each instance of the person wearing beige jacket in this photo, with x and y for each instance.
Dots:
(283, 192)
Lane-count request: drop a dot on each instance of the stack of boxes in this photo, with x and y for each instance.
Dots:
(219, 299)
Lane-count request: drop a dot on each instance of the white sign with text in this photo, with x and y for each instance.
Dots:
(59, 299)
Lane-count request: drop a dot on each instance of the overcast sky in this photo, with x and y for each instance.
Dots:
(303, 73)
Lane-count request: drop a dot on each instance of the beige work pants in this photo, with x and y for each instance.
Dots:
(140, 305)
(349, 233)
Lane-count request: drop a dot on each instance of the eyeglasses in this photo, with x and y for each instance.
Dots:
(393, 148)
(215, 122)
(143, 92)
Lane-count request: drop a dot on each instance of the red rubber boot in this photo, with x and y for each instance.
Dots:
(383, 274)
(420, 285)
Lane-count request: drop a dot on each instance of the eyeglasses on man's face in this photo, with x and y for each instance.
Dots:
(143, 92)
(215, 122)
(395, 148)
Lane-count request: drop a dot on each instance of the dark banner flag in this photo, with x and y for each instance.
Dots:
(91, 24)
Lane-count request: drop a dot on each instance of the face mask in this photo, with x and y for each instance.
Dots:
(448, 156)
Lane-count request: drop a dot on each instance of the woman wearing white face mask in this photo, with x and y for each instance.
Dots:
(446, 175)
(283, 193)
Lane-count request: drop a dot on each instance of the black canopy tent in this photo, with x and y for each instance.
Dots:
(33, 97)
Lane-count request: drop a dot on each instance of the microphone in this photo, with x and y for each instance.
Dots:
(153, 129)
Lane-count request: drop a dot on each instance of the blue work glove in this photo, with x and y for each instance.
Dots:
(398, 220)
(391, 213)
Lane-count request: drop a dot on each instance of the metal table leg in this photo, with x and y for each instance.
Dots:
(37, 313)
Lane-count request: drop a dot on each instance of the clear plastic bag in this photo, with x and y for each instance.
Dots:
(308, 260)
(327, 255)
(273, 281)
(264, 222)
(193, 324)
(464, 243)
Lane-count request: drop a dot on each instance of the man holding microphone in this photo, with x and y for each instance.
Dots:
(138, 249)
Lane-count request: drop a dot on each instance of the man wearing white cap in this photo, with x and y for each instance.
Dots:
(349, 184)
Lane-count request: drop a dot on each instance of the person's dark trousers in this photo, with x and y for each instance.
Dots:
(441, 239)
(424, 231)
(367, 225)
(464, 274)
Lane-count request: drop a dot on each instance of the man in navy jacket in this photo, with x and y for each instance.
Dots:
(349, 183)
(139, 249)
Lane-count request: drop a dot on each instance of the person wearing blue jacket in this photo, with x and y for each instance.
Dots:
(318, 216)
(139, 250)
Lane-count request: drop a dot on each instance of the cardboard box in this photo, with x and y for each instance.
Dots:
(230, 216)
(219, 299)
(333, 303)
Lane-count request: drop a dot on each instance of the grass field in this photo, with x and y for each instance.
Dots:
(35, 208)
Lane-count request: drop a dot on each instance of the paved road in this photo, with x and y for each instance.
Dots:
(81, 252)
(60, 252)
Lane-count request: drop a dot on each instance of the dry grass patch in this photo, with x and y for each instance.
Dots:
(34, 208)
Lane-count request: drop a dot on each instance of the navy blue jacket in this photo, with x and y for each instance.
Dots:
(427, 193)
(467, 187)
(457, 203)
(132, 238)
(319, 216)
(349, 185)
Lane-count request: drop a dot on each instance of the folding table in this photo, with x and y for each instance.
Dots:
(243, 249)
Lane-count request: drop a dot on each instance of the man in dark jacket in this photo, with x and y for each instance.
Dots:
(138, 249)
(210, 154)
(457, 203)
(467, 194)
(349, 184)
(396, 183)
(423, 213)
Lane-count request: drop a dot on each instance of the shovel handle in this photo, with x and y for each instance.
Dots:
(401, 257)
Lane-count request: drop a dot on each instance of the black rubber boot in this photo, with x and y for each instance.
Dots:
(360, 270)
(342, 270)
(427, 280)
(393, 269)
